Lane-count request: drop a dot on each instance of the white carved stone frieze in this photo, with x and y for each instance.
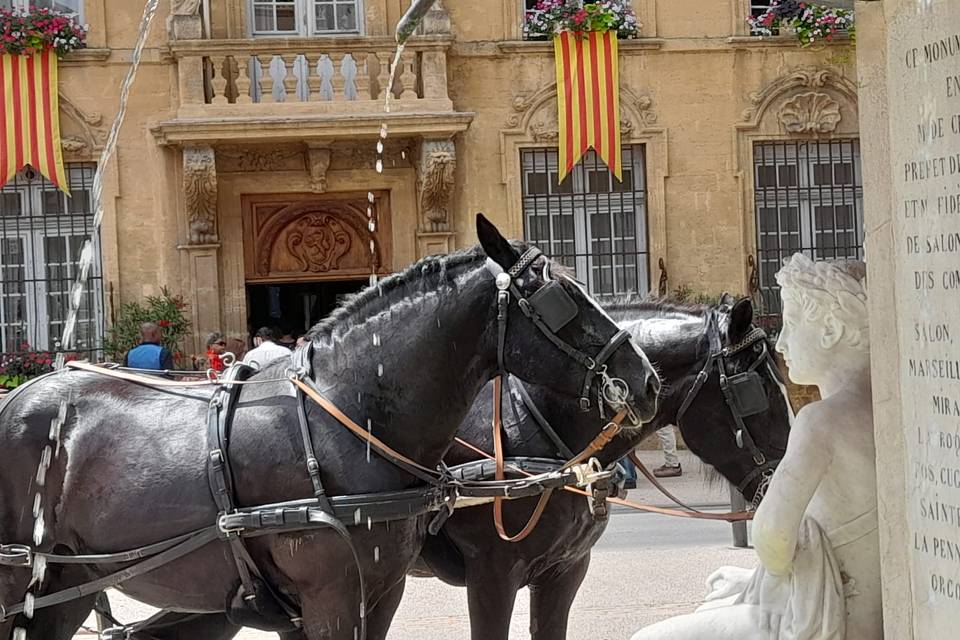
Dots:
(200, 194)
(438, 161)
(812, 112)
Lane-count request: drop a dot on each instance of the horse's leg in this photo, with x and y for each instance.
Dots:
(378, 622)
(188, 626)
(491, 594)
(59, 622)
(551, 597)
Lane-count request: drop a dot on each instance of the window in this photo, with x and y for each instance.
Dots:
(590, 222)
(69, 7)
(42, 232)
(305, 17)
(809, 198)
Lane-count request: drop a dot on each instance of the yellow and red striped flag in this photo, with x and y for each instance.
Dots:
(588, 98)
(30, 117)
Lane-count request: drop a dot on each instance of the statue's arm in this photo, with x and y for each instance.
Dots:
(777, 522)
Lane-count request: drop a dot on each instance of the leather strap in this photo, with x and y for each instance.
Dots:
(498, 456)
(563, 450)
(655, 482)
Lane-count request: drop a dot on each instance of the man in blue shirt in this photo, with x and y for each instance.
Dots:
(149, 354)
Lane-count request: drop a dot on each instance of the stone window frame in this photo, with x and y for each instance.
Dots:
(532, 125)
(804, 104)
(305, 18)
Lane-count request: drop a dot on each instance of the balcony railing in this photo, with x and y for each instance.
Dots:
(315, 75)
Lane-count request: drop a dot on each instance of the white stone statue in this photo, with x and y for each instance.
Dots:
(815, 532)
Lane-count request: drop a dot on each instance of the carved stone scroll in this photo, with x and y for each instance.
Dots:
(438, 161)
(812, 112)
(200, 191)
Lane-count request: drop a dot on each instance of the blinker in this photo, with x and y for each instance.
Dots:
(554, 305)
(747, 392)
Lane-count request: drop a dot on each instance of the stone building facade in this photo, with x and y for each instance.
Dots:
(246, 177)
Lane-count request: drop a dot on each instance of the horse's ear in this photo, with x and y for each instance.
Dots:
(726, 300)
(495, 245)
(741, 318)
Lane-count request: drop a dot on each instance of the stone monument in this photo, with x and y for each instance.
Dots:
(816, 530)
(909, 79)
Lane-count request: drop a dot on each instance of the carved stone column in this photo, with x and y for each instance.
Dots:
(435, 186)
(200, 259)
(433, 63)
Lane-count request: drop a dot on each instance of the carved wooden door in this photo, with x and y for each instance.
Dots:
(292, 237)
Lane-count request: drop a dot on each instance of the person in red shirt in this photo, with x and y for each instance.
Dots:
(216, 346)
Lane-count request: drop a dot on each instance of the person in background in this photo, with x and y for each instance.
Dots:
(671, 464)
(150, 353)
(216, 347)
(287, 339)
(264, 348)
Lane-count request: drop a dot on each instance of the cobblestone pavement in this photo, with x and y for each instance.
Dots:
(646, 568)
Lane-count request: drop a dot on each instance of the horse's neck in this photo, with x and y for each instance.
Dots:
(411, 372)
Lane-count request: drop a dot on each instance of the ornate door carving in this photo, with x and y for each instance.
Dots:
(306, 237)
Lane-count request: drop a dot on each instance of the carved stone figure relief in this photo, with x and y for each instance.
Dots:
(812, 112)
(200, 194)
(318, 242)
(318, 162)
(82, 132)
(438, 161)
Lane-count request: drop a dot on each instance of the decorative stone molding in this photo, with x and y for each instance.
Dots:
(318, 241)
(318, 162)
(89, 137)
(234, 158)
(438, 161)
(200, 194)
(812, 112)
(535, 115)
(791, 84)
(363, 155)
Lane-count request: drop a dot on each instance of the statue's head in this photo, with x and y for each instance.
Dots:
(825, 320)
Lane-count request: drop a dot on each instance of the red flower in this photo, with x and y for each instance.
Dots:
(163, 323)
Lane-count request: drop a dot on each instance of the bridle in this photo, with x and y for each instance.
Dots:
(551, 308)
(743, 394)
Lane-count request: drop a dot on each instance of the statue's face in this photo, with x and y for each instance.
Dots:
(801, 343)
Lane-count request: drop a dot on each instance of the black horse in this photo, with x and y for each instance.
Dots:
(407, 358)
(553, 560)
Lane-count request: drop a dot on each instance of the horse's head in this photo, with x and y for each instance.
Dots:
(550, 332)
(726, 393)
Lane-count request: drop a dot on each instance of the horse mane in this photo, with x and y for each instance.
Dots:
(620, 307)
(427, 273)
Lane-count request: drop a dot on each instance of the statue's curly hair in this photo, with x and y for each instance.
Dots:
(832, 292)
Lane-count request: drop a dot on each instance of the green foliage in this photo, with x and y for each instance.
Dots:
(165, 310)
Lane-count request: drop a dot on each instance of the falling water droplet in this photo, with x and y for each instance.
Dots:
(370, 197)
(380, 146)
(19, 634)
(373, 247)
(28, 602)
(39, 570)
(356, 633)
(376, 339)
(403, 154)
(369, 212)
(383, 131)
(379, 165)
(369, 523)
(372, 226)
(38, 529)
(356, 517)
(369, 432)
(376, 554)
(380, 370)
(36, 505)
(438, 322)
(373, 279)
